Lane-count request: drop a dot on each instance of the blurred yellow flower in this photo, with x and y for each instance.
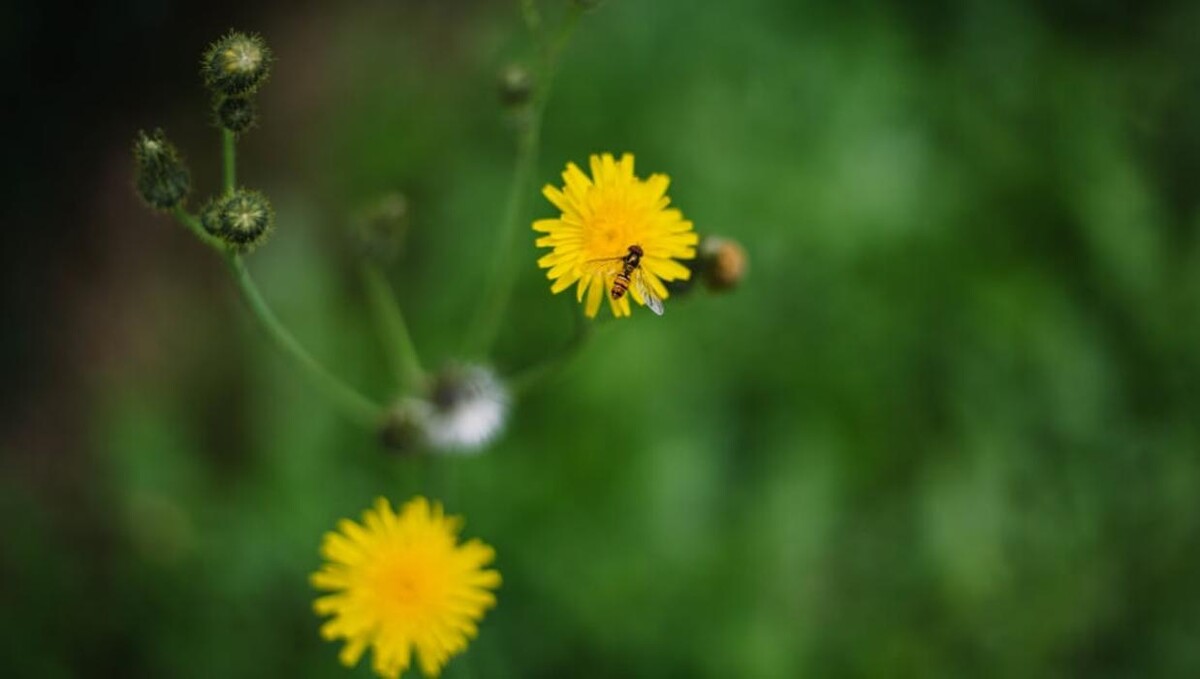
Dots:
(603, 216)
(402, 582)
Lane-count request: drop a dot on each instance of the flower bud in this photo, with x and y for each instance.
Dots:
(402, 429)
(162, 179)
(379, 230)
(243, 219)
(210, 216)
(236, 113)
(236, 64)
(723, 263)
(516, 85)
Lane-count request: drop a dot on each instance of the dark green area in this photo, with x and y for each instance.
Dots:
(947, 426)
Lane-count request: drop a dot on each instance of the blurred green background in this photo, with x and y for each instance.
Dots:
(947, 426)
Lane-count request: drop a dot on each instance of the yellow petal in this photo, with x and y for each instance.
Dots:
(667, 269)
(595, 294)
(575, 181)
(352, 651)
(556, 197)
(626, 167)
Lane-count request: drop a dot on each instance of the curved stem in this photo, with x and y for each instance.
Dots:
(350, 401)
(504, 271)
(356, 406)
(397, 341)
(229, 155)
(193, 224)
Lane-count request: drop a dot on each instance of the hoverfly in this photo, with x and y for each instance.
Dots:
(626, 271)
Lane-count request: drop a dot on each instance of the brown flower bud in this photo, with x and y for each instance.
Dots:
(723, 263)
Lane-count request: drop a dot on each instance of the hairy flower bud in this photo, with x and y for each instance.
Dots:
(723, 263)
(380, 229)
(162, 179)
(516, 85)
(210, 216)
(236, 64)
(243, 219)
(236, 113)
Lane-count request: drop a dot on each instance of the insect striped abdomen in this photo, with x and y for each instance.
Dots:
(620, 285)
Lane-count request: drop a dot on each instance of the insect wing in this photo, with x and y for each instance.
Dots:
(646, 292)
(606, 268)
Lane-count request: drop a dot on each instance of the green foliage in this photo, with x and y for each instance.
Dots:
(945, 426)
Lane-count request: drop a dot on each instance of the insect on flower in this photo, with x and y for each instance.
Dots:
(614, 233)
(625, 272)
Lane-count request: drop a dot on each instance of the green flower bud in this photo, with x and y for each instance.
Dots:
(210, 216)
(516, 85)
(243, 219)
(236, 64)
(379, 231)
(402, 430)
(237, 113)
(162, 179)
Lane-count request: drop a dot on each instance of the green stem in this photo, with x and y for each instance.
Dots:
(532, 17)
(397, 341)
(487, 322)
(504, 270)
(556, 45)
(229, 154)
(193, 224)
(528, 378)
(351, 402)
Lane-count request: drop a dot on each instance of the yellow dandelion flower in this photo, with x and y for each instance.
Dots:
(605, 219)
(402, 582)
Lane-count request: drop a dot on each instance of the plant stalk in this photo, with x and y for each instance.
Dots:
(356, 406)
(398, 344)
(504, 271)
(229, 154)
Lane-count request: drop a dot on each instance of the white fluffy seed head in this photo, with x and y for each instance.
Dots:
(466, 408)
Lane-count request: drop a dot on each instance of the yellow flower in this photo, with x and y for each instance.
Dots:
(402, 582)
(602, 216)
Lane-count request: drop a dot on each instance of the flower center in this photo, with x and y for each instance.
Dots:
(611, 231)
(244, 58)
(409, 585)
(403, 585)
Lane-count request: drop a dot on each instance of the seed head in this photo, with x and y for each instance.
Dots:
(162, 179)
(466, 408)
